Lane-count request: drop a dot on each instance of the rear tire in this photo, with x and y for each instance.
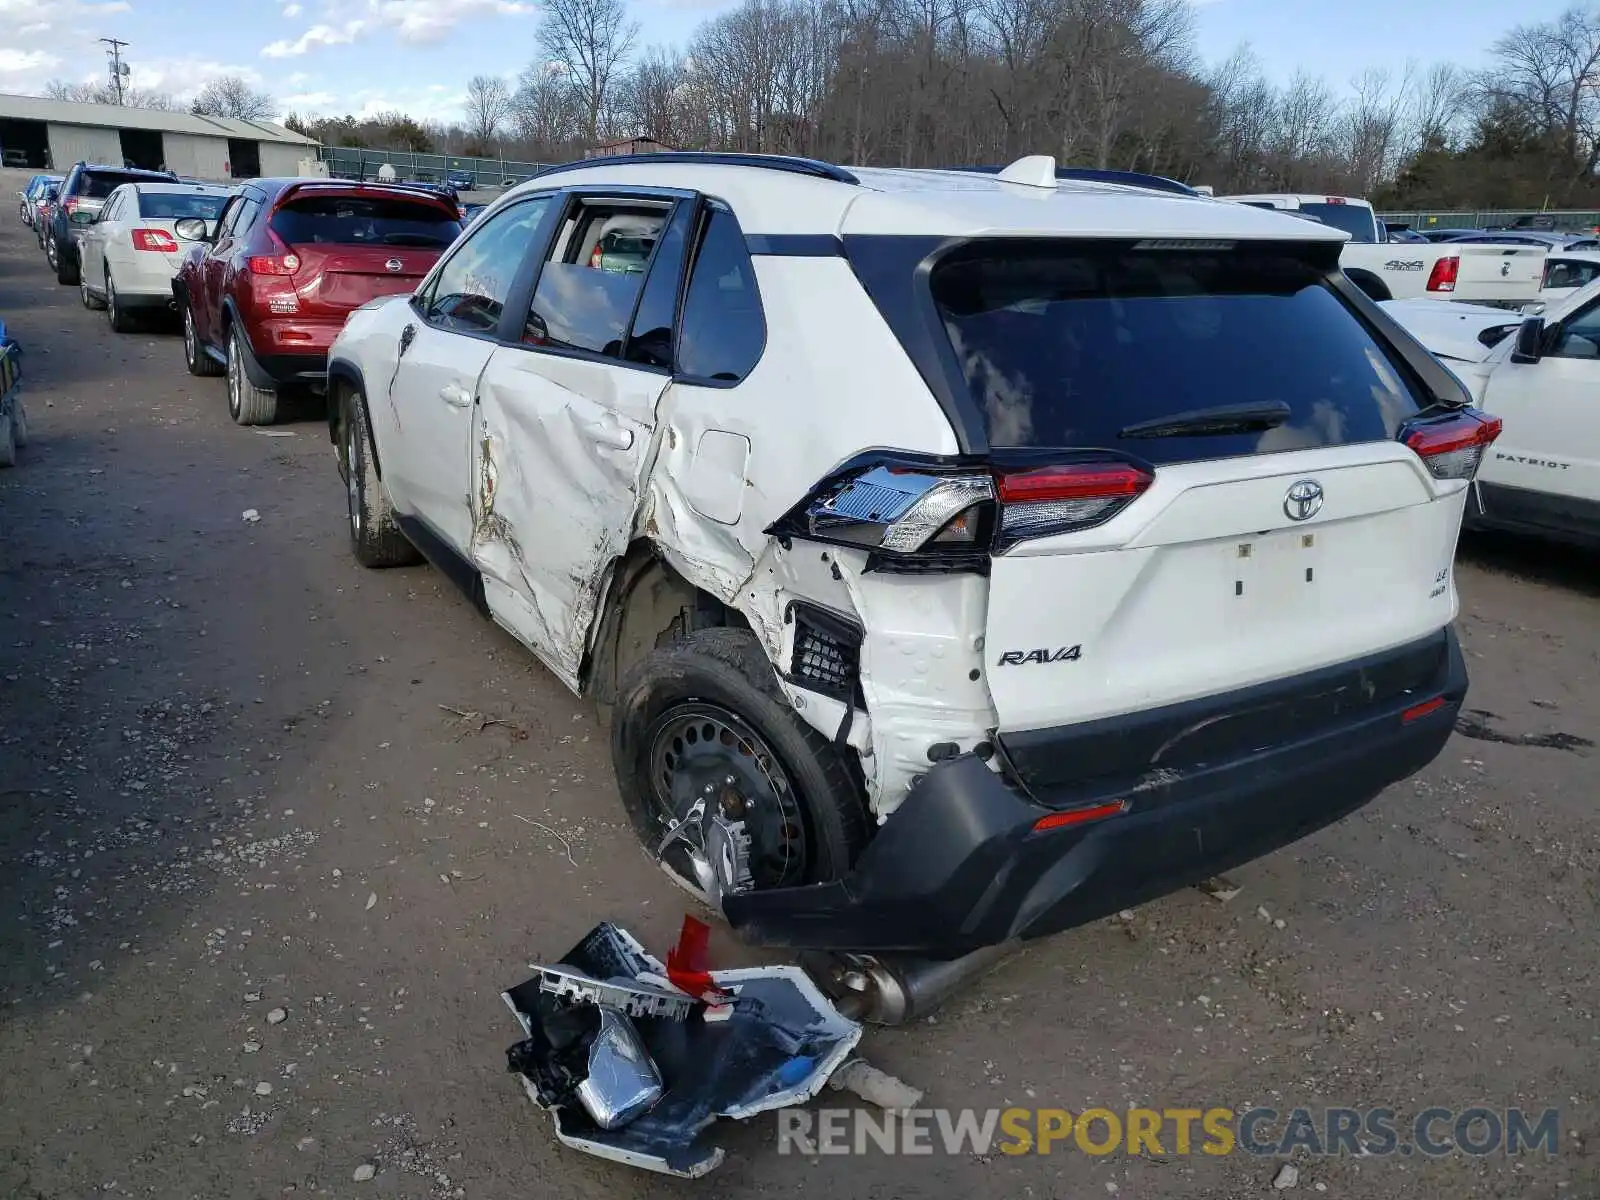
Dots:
(247, 404)
(375, 536)
(1376, 290)
(724, 673)
(195, 356)
(118, 316)
(66, 271)
(8, 442)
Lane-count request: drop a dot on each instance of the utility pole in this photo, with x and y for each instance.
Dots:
(119, 69)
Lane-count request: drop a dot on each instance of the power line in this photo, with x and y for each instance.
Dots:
(119, 69)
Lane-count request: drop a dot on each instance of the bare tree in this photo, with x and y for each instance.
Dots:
(546, 109)
(232, 96)
(591, 40)
(105, 93)
(488, 107)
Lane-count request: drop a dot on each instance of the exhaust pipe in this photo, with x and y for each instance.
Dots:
(893, 989)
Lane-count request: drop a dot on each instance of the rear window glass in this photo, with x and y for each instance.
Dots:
(1569, 273)
(1355, 219)
(171, 206)
(364, 221)
(97, 185)
(1070, 344)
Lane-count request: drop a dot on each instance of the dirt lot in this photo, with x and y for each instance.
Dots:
(231, 781)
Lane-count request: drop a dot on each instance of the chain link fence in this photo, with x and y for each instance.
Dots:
(1570, 220)
(345, 162)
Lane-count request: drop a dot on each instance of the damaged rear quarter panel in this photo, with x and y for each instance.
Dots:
(832, 383)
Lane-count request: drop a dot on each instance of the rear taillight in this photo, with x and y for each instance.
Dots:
(70, 205)
(1046, 500)
(274, 264)
(1452, 446)
(155, 239)
(1443, 276)
(915, 517)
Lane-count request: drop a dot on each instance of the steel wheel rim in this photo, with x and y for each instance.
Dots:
(698, 744)
(188, 337)
(353, 482)
(111, 302)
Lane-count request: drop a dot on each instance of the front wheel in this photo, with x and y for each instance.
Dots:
(702, 738)
(195, 356)
(90, 300)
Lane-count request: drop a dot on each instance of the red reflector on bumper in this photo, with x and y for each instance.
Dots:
(1077, 816)
(1417, 711)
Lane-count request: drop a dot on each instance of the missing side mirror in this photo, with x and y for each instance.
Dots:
(1530, 341)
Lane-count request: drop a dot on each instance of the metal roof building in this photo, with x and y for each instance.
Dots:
(54, 134)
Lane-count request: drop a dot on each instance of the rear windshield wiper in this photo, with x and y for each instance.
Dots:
(1212, 422)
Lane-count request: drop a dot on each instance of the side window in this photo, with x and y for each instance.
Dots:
(229, 217)
(650, 342)
(592, 279)
(723, 330)
(248, 211)
(469, 293)
(1579, 336)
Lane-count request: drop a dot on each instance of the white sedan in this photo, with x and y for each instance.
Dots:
(129, 252)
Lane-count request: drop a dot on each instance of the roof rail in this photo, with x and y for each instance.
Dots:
(1137, 179)
(793, 164)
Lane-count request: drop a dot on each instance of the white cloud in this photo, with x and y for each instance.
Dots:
(35, 28)
(292, 10)
(423, 21)
(313, 101)
(317, 35)
(20, 62)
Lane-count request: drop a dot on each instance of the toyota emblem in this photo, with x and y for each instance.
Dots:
(1304, 500)
(394, 264)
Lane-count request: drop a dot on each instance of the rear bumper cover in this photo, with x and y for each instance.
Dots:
(959, 865)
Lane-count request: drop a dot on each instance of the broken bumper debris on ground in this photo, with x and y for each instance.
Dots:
(635, 1061)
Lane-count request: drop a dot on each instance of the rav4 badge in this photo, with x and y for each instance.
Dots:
(1023, 658)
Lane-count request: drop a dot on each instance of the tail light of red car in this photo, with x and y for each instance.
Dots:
(274, 276)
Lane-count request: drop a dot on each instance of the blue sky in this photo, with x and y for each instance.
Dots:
(364, 56)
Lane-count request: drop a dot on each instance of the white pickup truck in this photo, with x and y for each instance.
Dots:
(1540, 375)
(1477, 273)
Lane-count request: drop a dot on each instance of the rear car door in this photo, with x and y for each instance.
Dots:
(92, 241)
(455, 323)
(1545, 468)
(563, 421)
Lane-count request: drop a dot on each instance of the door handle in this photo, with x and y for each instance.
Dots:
(610, 434)
(455, 396)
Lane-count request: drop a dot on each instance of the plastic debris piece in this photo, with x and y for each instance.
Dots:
(875, 1087)
(622, 1081)
(686, 963)
(776, 1047)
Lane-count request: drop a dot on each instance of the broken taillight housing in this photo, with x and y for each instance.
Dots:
(935, 516)
(1452, 446)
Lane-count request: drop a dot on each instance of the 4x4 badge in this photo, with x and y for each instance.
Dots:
(1304, 500)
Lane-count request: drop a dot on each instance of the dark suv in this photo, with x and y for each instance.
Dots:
(85, 190)
(265, 294)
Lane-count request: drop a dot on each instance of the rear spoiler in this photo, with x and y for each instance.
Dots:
(344, 185)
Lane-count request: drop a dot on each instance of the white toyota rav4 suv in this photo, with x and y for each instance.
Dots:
(958, 557)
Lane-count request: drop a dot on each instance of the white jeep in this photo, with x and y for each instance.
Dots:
(959, 557)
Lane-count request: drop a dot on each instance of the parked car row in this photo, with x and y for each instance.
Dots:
(262, 274)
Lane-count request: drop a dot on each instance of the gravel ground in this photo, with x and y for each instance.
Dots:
(262, 886)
